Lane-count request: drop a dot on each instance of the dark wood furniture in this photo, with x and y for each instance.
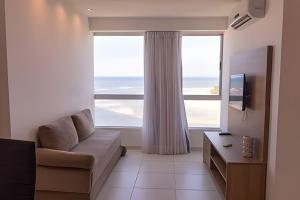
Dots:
(17, 170)
(237, 178)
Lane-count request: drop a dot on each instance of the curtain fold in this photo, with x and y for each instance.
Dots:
(165, 129)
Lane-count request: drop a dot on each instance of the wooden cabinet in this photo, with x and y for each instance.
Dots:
(206, 151)
(237, 178)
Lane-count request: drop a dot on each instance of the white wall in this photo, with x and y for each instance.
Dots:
(267, 31)
(4, 99)
(50, 63)
(156, 23)
(288, 137)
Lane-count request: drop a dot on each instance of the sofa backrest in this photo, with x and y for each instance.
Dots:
(65, 133)
(83, 122)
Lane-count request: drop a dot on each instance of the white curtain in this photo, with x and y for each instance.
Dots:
(165, 129)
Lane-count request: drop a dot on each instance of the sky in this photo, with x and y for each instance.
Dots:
(116, 56)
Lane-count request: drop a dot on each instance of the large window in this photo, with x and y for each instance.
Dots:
(201, 69)
(119, 82)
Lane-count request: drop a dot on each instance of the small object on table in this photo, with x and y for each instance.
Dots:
(227, 145)
(224, 133)
(247, 150)
(124, 151)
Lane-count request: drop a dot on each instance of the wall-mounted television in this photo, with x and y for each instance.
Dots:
(237, 93)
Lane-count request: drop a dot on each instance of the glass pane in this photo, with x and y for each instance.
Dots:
(201, 65)
(203, 113)
(119, 64)
(119, 113)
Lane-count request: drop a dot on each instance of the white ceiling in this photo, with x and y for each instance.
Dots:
(155, 8)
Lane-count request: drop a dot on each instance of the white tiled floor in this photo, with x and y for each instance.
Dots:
(140, 176)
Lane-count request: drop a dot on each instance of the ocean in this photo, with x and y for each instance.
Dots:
(125, 113)
(135, 85)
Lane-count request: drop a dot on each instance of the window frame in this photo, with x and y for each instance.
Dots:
(186, 97)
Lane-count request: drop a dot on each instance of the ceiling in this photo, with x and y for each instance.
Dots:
(155, 8)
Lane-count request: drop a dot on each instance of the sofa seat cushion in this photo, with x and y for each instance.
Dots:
(58, 135)
(103, 145)
(84, 124)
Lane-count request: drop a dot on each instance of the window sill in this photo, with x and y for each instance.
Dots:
(140, 128)
(119, 127)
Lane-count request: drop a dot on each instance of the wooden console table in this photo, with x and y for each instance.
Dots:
(237, 178)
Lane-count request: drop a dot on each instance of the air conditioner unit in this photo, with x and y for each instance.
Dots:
(247, 12)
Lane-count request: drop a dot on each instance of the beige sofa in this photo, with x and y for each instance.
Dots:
(74, 159)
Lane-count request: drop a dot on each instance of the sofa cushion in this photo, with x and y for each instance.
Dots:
(58, 135)
(103, 145)
(84, 124)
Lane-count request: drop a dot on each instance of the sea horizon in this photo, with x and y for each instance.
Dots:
(135, 85)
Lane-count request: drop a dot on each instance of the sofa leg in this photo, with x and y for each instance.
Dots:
(124, 151)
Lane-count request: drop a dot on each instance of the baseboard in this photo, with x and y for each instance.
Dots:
(140, 148)
(134, 147)
(197, 148)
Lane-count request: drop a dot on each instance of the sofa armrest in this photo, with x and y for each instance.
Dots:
(56, 158)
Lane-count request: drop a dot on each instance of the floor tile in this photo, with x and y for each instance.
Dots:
(134, 154)
(157, 167)
(155, 181)
(156, 157)
(181, 158)
(128, 165)
(153, 194)
(111, 193)
(121, 179)
(194, 156)
(197, 195)
(194, 182)
(139, 176)
(190, 168)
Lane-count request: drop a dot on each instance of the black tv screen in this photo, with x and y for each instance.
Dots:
(237, 91)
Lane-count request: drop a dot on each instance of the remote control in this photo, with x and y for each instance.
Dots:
(227, 145)
(224, 133)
